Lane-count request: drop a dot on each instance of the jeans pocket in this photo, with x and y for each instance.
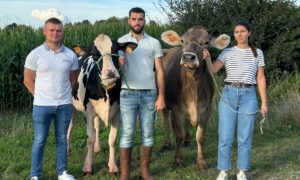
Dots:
(124, 93)
(152, 93)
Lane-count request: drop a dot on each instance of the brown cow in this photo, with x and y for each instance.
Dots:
(189, 85)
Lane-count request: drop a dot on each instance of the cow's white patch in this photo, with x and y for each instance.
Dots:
(102, 108)
(109, 72)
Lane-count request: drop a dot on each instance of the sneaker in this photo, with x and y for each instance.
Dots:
(241, 176)
(65, 176)
(34, 178)
(222, 176)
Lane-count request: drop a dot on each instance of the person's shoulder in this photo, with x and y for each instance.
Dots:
(228, 49)
(36, 50)
(69, 52)
(123, 38)
(259, 51)
(151, 38)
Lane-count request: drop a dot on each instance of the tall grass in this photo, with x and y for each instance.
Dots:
(284, 99)
(17, 41)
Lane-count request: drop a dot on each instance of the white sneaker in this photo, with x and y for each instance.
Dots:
(222, 176)
(65, 176)
(34, 178)
(241, 176)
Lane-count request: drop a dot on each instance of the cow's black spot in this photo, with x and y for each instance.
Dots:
(75, 91)
(84, 80)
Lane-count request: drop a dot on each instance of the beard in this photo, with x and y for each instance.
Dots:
(137, 31)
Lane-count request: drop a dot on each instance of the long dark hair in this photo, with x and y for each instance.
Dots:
(249, 28)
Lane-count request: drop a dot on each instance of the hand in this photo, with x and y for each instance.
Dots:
(206, 55)
(264, 110)
(121, 61)
(160, 104)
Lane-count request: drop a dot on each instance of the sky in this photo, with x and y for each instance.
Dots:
(35, 12)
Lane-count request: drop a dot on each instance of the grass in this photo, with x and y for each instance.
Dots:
(275, 155)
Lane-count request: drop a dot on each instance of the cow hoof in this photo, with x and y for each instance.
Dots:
(113, 174)
(201, 165)
(87, 173)
(178, 162)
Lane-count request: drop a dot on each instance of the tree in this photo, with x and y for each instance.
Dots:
(276, 25)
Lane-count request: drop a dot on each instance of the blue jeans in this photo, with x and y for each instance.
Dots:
(237, 110)
(42, 117)
(133, 103)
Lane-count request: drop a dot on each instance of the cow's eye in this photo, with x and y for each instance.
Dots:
(182, 41)
(206, 43)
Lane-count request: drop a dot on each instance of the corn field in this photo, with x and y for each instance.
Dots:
(17, 41)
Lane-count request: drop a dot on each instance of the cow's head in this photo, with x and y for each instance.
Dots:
(104, 52)
(193, 42)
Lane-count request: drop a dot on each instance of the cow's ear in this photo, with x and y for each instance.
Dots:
(79, 50)
(171, 37)
(220, 42)
(127, 47)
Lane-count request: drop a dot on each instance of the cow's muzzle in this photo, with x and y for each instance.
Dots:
(109, 78)
(189, 60)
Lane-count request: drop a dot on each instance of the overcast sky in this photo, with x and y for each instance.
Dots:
(34, 12)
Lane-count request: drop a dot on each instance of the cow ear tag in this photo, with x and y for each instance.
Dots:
(78, 50)
(130, 47)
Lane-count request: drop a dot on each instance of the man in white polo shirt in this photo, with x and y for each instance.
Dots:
(50, 72)
(142, 93)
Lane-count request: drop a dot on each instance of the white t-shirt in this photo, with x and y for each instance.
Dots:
(241, 65)
(52, 82)
(139, 68)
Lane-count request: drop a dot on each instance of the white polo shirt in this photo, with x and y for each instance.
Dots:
(52, 82)
(139, 68)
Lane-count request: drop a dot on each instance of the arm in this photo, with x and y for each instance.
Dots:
(261, 84)
(214, 67)
(160, 80)
(73, 77)
(29, 80)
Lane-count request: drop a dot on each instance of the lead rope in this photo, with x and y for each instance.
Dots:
(153, 113)
(210, 65)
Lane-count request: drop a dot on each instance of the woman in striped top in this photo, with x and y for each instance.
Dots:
(244, 65)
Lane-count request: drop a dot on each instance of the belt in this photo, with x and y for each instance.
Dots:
(239, 84)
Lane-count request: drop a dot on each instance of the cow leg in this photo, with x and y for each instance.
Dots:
(96, 127)
(187, 138)
(200, 139)
(179, 133)
(112, 167)
(69, 135)
(167, 128)
(89, 114)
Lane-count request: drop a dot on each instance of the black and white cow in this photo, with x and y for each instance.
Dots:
(97, 94)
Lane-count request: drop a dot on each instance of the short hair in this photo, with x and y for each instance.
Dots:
(137, 10)
(53, 20)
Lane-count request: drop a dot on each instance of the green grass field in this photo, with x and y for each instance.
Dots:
(275, 155)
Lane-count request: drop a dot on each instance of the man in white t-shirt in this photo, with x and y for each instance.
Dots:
(50, 72)
(142, 93)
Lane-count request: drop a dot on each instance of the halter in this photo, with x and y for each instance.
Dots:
(195, 72)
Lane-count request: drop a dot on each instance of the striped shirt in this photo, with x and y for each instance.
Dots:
(241, 65)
